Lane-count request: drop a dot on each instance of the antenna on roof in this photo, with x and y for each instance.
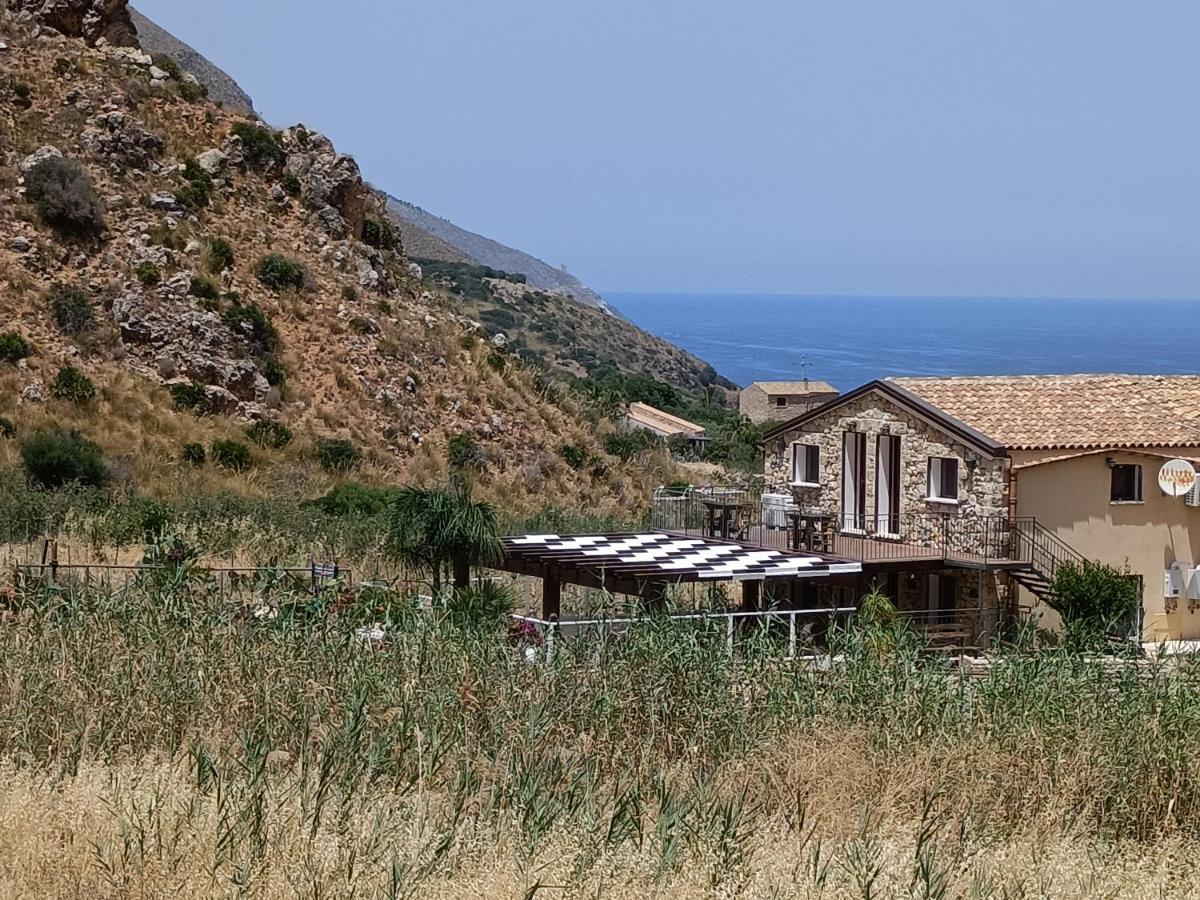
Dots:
(805, 365)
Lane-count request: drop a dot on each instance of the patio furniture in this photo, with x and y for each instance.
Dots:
(726, 519)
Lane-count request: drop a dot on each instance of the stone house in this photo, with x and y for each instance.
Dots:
(773, 401)
(968, 493)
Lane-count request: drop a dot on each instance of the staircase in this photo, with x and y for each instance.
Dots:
(1044, 552)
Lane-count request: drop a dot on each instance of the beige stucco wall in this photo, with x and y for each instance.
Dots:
(755, 404)
(981, 493)
(1071, 498)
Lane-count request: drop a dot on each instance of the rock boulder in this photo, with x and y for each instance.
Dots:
(91, 20)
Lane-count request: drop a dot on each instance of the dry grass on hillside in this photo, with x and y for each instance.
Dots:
(348, 350)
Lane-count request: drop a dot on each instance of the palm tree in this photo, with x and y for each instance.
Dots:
(433, 528)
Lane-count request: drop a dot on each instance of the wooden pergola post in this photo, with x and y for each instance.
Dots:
(654, 596)
(751, 592)
(551, 594)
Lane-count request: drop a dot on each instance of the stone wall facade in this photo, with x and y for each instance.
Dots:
(758, 406)
(982, 480)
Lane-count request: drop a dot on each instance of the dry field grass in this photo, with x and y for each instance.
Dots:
(157, 743)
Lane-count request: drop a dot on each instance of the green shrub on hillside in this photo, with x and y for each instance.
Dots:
(573, 455)
(230, 454)
(71, 384)
(274, 371)
(249, 322)
(191, 397)
(56, 457)
(194, 454)
(148, 274)
(261, 146)
(625, 445)
(72, 309)
(280, 273)
(65, 198)
(204, 288)
(291, 184)
(14, 347)
(378, 234)
(269, 434)
(168, 65)
(462, 452)
(354, 499)
(337, 455)
(197, 193)
(7, 428)
(192, 91)
(220, 254)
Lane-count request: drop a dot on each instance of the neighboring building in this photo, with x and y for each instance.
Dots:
(773, 401)
(968, 493)
(644, 417)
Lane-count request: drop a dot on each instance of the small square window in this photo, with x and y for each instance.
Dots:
(943, 478)
(1126, 484)
(781, 401)
(806, 464)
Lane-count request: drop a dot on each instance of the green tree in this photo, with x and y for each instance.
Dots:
(436, 528)
(1094, 600)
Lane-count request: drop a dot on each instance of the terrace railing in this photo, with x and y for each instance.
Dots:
(954, 538)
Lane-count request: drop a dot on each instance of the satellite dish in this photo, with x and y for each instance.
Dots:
(1176, 477)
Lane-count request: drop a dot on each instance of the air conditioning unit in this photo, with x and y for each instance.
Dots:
(1173, 581)
(1192, 497)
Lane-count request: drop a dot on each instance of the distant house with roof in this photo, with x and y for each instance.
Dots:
(967, 494)
(644, 417)
(772, 401)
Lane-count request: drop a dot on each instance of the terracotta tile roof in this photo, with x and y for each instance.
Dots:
(662, 422)
(1040, 412)
(795, 387)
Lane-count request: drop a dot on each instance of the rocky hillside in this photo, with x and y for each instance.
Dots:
(418, 226)
(221, 86)
(171, 274)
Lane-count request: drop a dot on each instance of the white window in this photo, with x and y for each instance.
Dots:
(854, 481)
(806, 464)
(943, 478)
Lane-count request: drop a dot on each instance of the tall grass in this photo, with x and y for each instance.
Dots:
(179, 745)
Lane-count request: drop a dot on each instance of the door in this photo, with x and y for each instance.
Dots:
(943, 598)
(887, 485)
(854, 481)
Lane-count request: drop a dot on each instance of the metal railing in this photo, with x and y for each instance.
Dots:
(955, 538)
(802, 625)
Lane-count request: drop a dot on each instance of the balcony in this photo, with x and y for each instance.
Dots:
(770, 521)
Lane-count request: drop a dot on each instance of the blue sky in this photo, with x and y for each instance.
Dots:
(1017, 148)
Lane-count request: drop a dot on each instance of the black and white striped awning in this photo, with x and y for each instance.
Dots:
(657, 555)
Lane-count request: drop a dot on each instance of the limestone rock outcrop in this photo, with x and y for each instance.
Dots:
(91, 20)
(331, 184)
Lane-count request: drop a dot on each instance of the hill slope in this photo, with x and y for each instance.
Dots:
(221, 86)
(417, 224)
(258, 283)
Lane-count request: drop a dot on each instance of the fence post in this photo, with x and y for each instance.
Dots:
(729, 634)
(792, 635)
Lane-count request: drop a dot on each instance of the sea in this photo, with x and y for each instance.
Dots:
(848, 341)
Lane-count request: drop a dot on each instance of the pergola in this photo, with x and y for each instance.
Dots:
(644, 564)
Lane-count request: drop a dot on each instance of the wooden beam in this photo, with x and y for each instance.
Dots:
(551, 594)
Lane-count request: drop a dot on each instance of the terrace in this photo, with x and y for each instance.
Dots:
(876, 542)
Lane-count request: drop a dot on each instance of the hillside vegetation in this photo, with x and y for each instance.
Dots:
(203, 272)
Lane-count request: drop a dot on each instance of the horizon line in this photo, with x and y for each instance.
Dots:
(835, 296)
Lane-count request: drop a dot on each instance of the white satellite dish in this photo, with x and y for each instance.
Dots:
(1176, 477)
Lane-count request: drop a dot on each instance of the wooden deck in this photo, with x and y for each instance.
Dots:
(873, 551)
